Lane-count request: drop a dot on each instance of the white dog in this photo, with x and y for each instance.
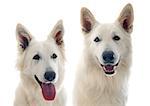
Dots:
(41, 66)
(103, 71)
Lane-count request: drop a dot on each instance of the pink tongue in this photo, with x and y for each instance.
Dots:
(109, 68)
(48, 91)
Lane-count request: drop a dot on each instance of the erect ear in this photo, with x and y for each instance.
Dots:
(23, 37)
(126, 18)
(57, 33)
(87, 20)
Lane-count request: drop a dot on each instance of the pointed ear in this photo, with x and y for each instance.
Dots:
(126, 18)
(23, 37)
(57, 33)
(87, 20)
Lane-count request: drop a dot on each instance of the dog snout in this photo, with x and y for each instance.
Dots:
(50, 75)
(108, 57)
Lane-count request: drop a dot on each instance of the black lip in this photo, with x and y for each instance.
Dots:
(110, 64)
(36, 78)
(110, 72)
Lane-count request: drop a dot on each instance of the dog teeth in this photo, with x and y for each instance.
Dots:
(47, 82)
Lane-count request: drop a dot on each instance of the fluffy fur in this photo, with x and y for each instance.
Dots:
(29, 91)
(93, 87)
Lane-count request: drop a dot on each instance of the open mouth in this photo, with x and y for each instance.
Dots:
(109, 69)
(48, 89)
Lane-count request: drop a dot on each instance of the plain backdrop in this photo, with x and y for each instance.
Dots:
(39, 17)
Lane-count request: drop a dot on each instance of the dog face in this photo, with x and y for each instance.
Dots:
(108, 44)
(42, 61)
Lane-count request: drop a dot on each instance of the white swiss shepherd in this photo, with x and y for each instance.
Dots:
(103, 71)
(41, 66)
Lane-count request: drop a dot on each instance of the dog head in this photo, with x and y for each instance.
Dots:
(42, 62)
(108, 44)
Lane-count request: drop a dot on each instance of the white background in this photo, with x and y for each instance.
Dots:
(39, 16)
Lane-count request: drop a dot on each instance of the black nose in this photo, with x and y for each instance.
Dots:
(50, 75)
(108, 56)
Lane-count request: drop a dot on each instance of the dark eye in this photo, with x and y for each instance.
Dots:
(97, 39)
(36, 57)
(116, 38)
(54, 56)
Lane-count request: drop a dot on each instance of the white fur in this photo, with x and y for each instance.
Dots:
(92, 86)
(29, 92)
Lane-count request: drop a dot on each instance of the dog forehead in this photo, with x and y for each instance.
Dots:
(106, 29)
(43, 46)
